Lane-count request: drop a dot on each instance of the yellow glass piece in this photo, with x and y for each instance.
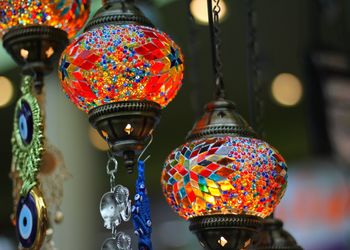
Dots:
(225, 186)
(209, 198)
(211, 183)
(177, 176)
(214, 191)
(197, 168)
(199, 204)
(197, 192)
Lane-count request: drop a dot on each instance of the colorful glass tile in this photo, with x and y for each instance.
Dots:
(122, 63)
(68, 15)
(248, 176)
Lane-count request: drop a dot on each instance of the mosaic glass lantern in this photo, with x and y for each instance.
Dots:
(122, 71)
(36, 32)
(223, 179)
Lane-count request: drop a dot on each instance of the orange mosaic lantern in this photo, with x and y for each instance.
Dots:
(122, 72)
(36, 32)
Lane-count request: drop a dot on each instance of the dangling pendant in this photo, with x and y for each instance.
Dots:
(121, 241)
(31, 220)
(28, 136)
(115, 207)
(141, 212)
(27, 148)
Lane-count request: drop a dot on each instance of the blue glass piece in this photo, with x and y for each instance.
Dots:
(216, 178)
(182, 193)
(201, 180)
(186, 179)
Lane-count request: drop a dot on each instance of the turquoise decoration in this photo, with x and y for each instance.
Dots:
(141, 213)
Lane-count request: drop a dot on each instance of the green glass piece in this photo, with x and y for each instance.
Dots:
(203, 188)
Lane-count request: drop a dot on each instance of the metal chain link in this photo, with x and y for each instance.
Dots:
(214, 18)
(255, 82)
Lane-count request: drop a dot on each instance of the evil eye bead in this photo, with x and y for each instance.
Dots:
(25, 122)
(31, 220)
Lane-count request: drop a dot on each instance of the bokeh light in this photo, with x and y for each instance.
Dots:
(96, 140)
(287, 89)
(199, 11)
(6, 91)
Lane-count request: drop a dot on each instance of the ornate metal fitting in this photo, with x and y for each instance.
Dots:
(35, 47)
(220, 119)
(272, 236)
(126, 126)
(118, 12)
(225, 231)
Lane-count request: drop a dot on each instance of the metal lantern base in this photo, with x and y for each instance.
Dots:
(126, 126)
(273, 237)
(225, 231)
(35, 47)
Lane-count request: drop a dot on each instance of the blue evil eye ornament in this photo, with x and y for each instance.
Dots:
(28, 136)
(141, 212)
(25, 122)
(31, 220)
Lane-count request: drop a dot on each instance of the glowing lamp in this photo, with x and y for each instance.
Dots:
(223, 179)
(122, 71)
(115, 63)
(36, 32)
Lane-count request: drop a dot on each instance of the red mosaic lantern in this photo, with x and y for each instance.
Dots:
(122, 71)
(224, 180)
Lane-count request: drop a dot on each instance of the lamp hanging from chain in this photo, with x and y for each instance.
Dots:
(271, 236)
(35, 32)
(122, 71)
(223, 179)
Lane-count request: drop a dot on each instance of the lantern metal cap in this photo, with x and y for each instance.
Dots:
(35, 47)
(126, 126)
(118, 12)
(272, 236)
(225, 231)
(220, 119)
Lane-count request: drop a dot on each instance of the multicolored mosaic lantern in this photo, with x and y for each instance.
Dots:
(115, 63)
(224, 175)
(67, 15)
(223, 179)
(122, 71)
(36, 32)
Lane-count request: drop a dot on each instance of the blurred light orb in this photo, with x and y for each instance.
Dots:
(68, 15)
(6, 91)
(287, 89)
(224, 175)
(96, 140)
(199, 10)
(115, 63)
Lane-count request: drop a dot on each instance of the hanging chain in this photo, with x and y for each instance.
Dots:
(213, 16)
(255, 83)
